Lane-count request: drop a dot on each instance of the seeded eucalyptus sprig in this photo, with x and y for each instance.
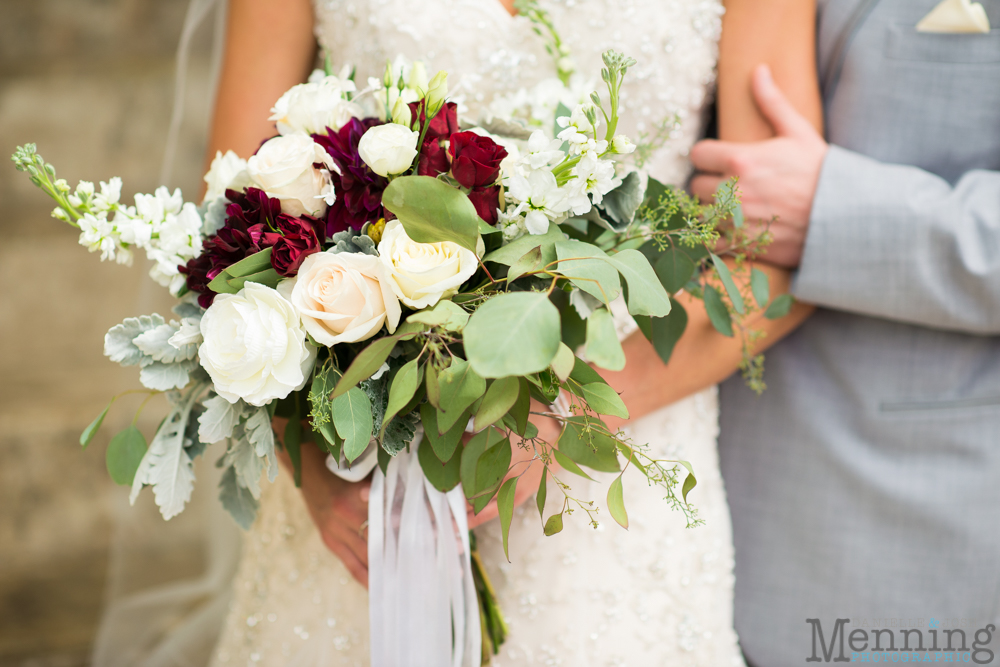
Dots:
(43, 175)
(545, 27)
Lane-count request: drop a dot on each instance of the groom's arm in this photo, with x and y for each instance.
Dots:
(897, 242)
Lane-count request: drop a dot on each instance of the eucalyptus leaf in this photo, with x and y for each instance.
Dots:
(584, 374)
(646, 295)
(603, 347)
(779, 307)
(616, 503)
(760, 287)
(505, 507)
(569, 464)
(515, 250)
(444, 444)
(527, 263)
(352, 418)
(444, 314)
(365, 365)
(553, 525)
(563, 363)
(727, 281)
(473, 451)
(689, 482)
(432, 211)
(521, 409)
(433, 386)
(404, 386)
(666, 331)
(542, 493)
(512, 334)
(498, 400)
(443, 475)
(125, 452)
(674, 268)
(604, 400)
(717, 312)
(587, 267)
(492, 466)
(585, 442)
(88, 433)
(460, 387)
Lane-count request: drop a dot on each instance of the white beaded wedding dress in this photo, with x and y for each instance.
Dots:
(657, 594)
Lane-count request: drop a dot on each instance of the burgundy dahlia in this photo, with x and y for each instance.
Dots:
(475, 160)
(358, 188)
(251, 214)
(433, 159)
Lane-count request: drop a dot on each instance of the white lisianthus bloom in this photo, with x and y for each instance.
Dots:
(310, 108)
(228, 172)
(283, 168)
(342, 297)
(421, 274)
(254, 346)
(389, 149)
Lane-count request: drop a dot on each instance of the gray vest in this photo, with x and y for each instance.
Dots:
(864, 483)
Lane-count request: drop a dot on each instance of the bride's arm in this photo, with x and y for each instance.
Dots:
(270, 47)
(780, 33)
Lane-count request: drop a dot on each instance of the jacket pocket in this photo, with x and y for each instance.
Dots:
(903, 42)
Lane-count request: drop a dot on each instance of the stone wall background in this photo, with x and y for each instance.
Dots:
(91, 82)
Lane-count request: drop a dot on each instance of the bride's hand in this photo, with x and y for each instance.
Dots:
(521, 457)
(338, 508)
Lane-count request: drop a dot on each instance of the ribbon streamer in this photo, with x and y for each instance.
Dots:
(423, 607)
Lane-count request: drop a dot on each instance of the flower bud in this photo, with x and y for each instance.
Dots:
(437, 91)
(418, 77)
(60, 214)
(622, 145)
(401, 113)
(387, 77)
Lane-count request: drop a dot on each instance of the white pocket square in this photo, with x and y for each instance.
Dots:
(955, 16)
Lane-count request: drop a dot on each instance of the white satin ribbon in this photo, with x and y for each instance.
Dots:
(423, 608)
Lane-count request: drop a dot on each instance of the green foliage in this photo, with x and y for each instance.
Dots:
(444, 444)
(505, 507)
(717, 312)
(88, 433)
(445, 315)
(674, 268)
(563, 363)
(540, 497)
(481, 474)
(603, 347)
(760, 287)
(256, 269)
(604, 400)
(727, 281)
(622, 203)
(513, 251)
(443, 475)
(404, 386)
(125, 451)
(586, 441)
(352, 417)
(664, 332)
(646, 295)
(431, 211)
(779, 307)
(237, 500)
(460, 386)
(366, 364)
(588, 267)
(498, 400)
(616, 503)
(553, 525)
(512, 334)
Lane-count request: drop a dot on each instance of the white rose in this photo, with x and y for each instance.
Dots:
(389, 149)
(255, 347)
(310, 108)
(228, 171)
(343, 297)
(283, 168)
(421, 274)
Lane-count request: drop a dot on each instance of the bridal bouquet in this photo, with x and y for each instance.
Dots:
(388, 277)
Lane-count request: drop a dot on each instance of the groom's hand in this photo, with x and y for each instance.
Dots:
(777, 177)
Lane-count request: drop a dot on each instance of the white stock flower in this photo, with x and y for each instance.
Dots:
(312, 107)
(283, 168)
(228, 172)
(109, 196)
(622, 145)
(542, 152)
(594, 177)
(388, 149)
(421, 274)
(541, 199)
(98, 234)
(342, 297)
(254, 346)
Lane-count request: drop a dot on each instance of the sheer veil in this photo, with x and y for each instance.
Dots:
(155, 617)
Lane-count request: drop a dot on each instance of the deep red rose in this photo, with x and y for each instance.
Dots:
(475, 160)
(487, 201)
(295, 239)
(443, 125)
(433, 159)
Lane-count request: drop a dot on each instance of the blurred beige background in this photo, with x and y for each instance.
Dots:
(91, 82)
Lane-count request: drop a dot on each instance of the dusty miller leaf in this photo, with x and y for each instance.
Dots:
(219, 419)
(237, 500)
(261, 436)
(118, 342)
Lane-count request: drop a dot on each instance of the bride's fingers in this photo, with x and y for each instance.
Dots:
(704, 186)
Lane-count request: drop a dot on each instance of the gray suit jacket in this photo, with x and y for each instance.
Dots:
(865, 482)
